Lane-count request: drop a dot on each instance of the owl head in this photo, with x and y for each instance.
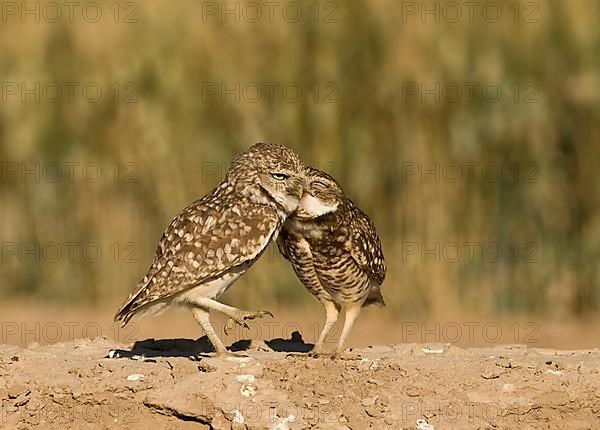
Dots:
(269, 174)
(323, 195)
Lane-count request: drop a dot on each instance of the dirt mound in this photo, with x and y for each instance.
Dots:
(177, 383)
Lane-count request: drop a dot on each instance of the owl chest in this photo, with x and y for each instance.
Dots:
(341, 277)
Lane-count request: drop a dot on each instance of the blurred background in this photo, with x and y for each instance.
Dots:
(469, 134)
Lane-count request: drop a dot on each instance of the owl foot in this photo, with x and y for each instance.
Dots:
(240, 318)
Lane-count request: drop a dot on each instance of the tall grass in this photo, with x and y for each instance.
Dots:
(369, 136)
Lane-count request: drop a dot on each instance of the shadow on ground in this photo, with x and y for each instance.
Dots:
(294, 344)
(152, 348)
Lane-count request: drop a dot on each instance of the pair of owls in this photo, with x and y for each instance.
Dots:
(267, 194)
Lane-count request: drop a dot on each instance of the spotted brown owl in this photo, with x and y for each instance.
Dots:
(215, 239)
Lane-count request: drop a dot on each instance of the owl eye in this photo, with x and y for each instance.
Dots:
(279, 176)
(319, 185)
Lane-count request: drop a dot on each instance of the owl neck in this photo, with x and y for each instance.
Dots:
(257, 195)
(329, 221)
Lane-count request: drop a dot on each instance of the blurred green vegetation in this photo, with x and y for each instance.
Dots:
(358, 118)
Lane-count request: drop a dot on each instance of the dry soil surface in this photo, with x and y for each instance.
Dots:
(175, 384)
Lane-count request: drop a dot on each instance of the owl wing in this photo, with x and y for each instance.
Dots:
(201, 244)
(364, 245)
(283, 244)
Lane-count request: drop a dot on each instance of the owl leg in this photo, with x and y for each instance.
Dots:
(333, 310)
(352, 311)
(202, 316)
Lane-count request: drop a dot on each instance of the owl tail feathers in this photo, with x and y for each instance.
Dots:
(135, 306)
(374, 297)
(132, 305)
(142, 303)
(125, 314)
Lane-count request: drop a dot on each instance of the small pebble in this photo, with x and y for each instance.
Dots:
(433, 350)
(238, 418)
(422, 424)
(248, 390)
(205, 367)
(245, 379)
(135, 377)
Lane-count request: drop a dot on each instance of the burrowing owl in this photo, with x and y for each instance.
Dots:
(335, 252)
(215, 239)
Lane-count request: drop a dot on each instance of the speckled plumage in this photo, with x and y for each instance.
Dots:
(215, 239)
(334, 250)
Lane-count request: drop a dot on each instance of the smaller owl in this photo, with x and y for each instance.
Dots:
(335, 252)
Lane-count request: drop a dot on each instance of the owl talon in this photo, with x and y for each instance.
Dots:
(241, 318)
(230, 325)
(264, 314)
